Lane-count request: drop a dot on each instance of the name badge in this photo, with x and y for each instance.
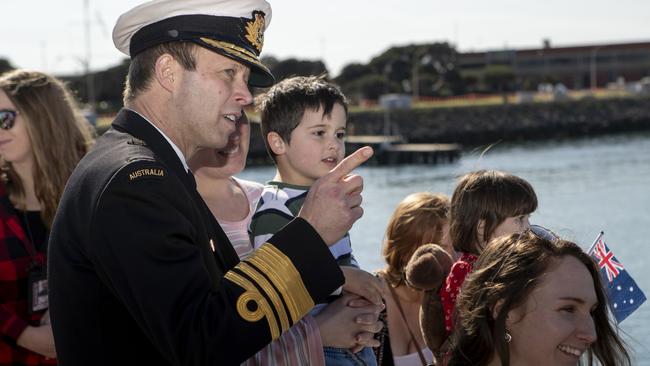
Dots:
(37, 299)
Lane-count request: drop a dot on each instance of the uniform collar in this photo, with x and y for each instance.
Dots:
(178, 151)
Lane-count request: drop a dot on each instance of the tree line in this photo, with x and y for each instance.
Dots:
(424, 70)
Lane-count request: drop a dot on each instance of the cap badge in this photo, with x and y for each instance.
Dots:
(255, 30)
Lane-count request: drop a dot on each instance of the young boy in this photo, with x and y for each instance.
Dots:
(303, 123)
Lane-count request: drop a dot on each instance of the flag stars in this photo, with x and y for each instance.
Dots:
(622, 292)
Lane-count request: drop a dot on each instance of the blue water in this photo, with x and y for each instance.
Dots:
(583, 186)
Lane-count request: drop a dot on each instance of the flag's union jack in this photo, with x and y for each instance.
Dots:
(607, 261)
(623, 294)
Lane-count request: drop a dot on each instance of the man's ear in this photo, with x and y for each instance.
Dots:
(276, 143)
(166, 71)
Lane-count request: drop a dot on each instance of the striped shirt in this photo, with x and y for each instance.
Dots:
(279, 204)
(301, 344)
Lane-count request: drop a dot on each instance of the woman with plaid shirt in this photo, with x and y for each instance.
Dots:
(42, 137)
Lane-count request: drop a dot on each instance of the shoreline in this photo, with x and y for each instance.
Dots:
(475, 126)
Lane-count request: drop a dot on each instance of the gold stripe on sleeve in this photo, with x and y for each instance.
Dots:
(270, 292)
(285, 277)
(263, 309)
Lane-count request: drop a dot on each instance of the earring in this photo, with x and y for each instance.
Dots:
(508, 337)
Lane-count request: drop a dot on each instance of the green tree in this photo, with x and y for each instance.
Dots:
(5, 65)
(109, 85)
(352, 72)
(368, 87)
(294, 67)
(431, 68)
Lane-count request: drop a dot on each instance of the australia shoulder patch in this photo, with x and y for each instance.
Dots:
(140, 172)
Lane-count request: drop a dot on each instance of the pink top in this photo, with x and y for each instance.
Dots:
(237, 231)
(301, 344)
(448, 294)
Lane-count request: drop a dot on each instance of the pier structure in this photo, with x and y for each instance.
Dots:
(393, 150)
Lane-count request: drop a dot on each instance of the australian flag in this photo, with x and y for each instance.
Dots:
(623, 293)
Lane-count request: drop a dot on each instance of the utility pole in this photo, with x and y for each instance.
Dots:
(593, 75)
(420, 58)
(415, 74)
(90, 81)
(388, 68)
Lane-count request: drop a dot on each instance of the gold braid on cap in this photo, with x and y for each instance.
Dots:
(233, 50)
(255, 30)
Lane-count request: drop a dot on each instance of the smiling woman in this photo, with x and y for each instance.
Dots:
(534, 301)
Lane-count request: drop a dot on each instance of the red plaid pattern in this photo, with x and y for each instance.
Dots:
(14, 263)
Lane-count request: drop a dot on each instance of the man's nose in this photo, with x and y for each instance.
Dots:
(243, 94)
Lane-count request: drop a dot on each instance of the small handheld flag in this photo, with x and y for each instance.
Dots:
(623, 293)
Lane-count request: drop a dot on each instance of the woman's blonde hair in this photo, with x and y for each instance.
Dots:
(419, 219)
(58, 133)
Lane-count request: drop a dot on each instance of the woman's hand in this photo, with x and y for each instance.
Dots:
(349, 322)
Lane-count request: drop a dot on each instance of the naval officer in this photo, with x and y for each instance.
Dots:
(140, 272)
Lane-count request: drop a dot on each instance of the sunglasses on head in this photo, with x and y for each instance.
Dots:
(540, 232)
(543, 233)
(7, 118)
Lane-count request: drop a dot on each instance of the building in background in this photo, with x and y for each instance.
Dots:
(577, 67)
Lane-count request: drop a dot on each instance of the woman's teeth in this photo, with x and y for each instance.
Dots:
(570, 350)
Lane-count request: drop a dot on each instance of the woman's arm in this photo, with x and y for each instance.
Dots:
(38, 339)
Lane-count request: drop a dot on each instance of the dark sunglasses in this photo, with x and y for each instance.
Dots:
(543, 233)
(7, 118)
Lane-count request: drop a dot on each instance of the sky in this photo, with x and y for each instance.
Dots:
(50, 35)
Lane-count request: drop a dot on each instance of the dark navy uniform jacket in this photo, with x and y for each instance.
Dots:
(140, 272)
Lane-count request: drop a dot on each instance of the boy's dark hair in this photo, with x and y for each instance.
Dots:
(143, 64)
(283, 105)
(488, 195)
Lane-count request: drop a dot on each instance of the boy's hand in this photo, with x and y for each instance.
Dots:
(333, 203)
(364, 284)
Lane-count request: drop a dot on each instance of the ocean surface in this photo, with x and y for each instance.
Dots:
(584, 186)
